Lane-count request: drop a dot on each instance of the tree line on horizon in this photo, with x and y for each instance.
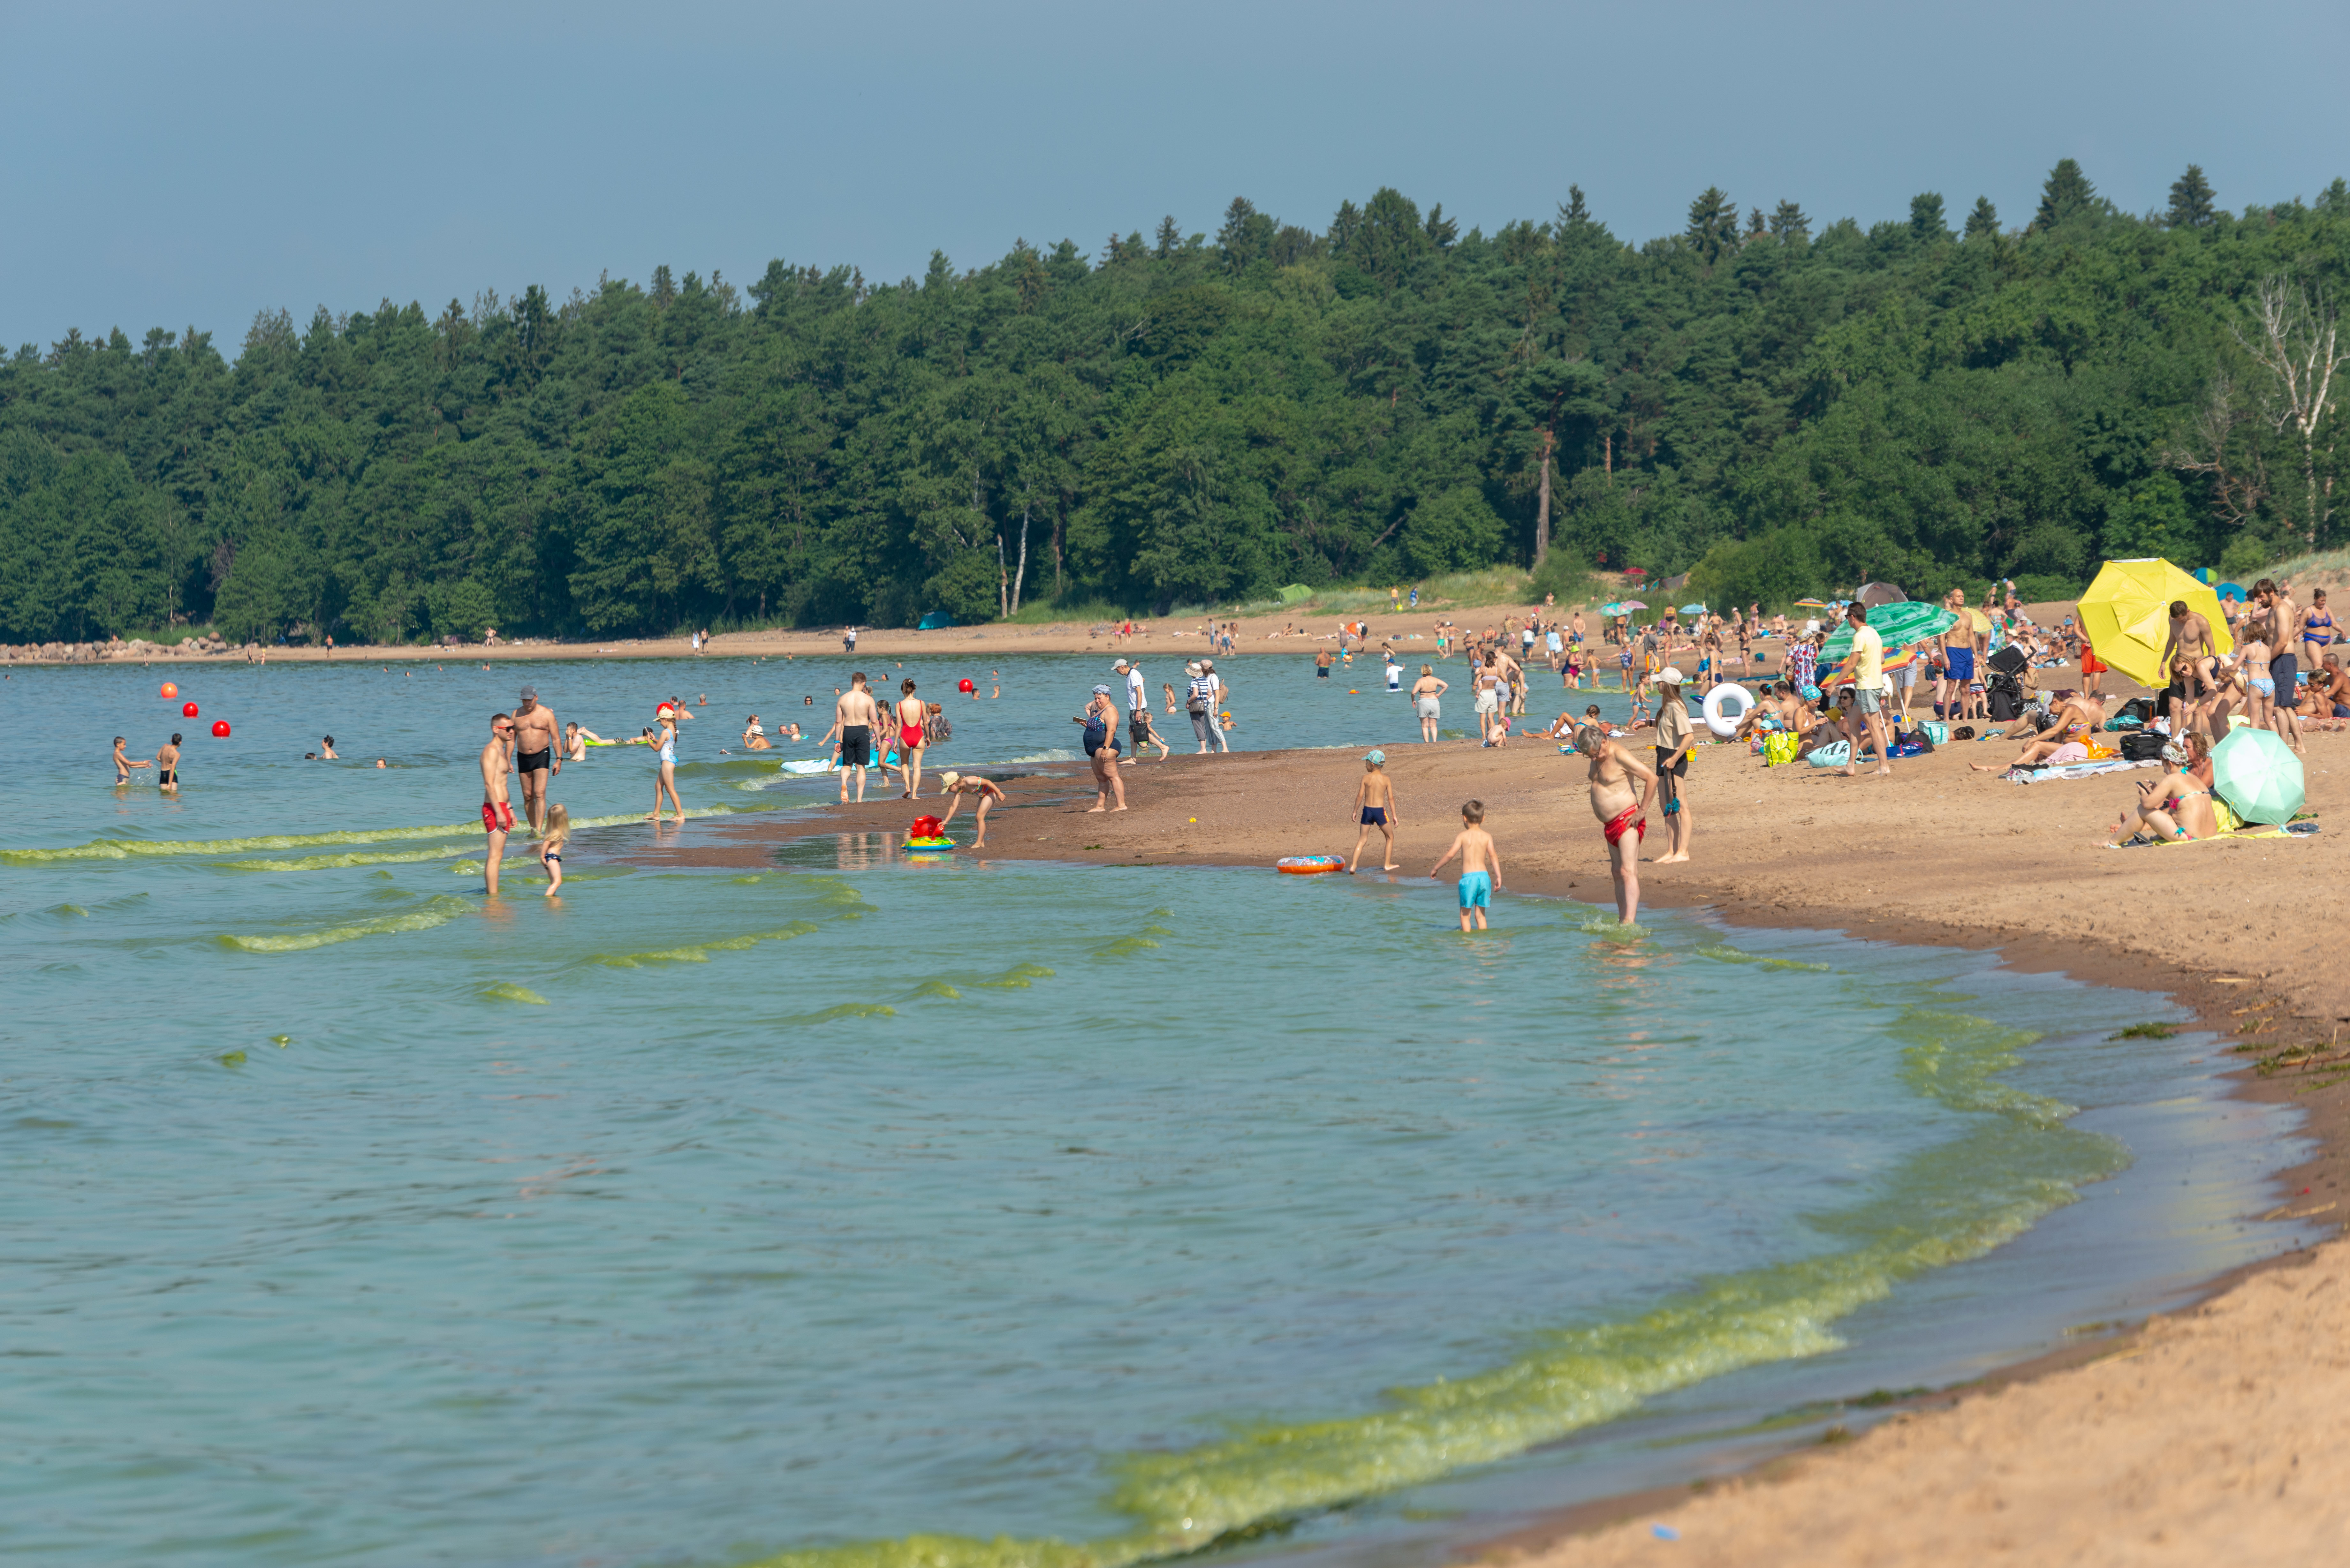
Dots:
(1191, 421)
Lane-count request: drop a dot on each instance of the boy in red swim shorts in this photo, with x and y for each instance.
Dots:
(497, 812)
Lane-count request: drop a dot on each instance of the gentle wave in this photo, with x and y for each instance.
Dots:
(1723, 954)
(1940, 1206)
(699, 953)
(437, 911)
(506, 991)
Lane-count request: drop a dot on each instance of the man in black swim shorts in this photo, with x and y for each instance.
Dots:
(535, 756)
(853, 717)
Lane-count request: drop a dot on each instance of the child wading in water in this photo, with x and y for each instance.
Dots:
(1375, 807)
(1481, 863)
(550, 848)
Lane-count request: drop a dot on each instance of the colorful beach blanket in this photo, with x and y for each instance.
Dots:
(2290, 830)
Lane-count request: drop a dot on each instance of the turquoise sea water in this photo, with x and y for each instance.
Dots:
(856, 1208)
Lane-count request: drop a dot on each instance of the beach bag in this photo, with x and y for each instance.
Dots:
(1936, 731)
(2142, 746)
(1835, 754)
(2224, 813)
(1779, 748)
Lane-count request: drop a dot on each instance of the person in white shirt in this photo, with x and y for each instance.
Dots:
(1136, 696)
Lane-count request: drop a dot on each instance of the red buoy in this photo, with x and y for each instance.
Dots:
(169, 691)
(220, 729)
(187, 710)
(965, 685)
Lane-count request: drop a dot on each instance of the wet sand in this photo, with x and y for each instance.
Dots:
(2199, 1436)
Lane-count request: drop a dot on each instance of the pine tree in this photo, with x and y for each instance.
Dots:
(2191, 200)
(1712, 223)
(2066, 195)
(1789, 224)
(1983, 223)
(1442, 229)
(1926, 217)
(1169, 237)
(1755, 228)
(1577, 212)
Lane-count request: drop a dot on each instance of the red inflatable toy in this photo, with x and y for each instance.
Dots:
(220, 729)
(187, 710)
(924, 827)
(169, 691)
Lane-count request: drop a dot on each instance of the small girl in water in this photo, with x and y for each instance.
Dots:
(550, 848)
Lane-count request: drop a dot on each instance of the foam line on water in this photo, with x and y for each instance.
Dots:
(1939, 1205)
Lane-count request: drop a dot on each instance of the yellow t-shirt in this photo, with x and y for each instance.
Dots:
(1868, 659)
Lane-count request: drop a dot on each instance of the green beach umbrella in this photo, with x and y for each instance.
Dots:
(1899, 624)
(2255, 772)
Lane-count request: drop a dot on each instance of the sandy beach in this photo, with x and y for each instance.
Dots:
(2197, 1435)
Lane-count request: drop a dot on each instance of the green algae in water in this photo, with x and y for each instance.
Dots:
(1723, 953)
(1939, 1205)
(506, 991)
(699, 953)
(438, 911)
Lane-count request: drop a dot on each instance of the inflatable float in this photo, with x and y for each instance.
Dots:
(929, 844)
(1310, 864)
(1718, 718)
(807, 766)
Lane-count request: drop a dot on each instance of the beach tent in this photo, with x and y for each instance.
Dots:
(2126, 615)
(936, 620)
(1874, 594)
(2255, 772)
(1294, 593)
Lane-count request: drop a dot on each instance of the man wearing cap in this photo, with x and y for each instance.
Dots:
(536, 757)
(1375, 807)
(1135, 697)
(1675, 736)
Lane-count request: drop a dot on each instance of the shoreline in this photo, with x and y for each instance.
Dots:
(1788, 1488)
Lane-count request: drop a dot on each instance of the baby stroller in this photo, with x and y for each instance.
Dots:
(2002, 689)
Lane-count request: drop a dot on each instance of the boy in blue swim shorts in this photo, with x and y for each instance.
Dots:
(1480, 864)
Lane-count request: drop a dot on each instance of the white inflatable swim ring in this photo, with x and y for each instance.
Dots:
(1723, 723)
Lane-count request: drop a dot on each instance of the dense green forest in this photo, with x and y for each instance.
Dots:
(1186, 421)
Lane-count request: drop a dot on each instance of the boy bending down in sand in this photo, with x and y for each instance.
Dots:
(1481, 863)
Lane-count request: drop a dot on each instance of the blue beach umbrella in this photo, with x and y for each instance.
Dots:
(1692, 609)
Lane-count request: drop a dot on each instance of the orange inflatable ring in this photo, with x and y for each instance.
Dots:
(1310, 864)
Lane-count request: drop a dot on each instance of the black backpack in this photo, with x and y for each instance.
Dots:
(2142, 746)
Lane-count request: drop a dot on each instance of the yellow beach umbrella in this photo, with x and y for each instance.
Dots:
(2126, 615)
(1981, 623)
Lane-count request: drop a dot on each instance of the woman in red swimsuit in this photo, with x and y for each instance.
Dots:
(912, 714)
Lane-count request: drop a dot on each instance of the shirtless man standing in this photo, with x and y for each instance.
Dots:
(1621, 810)
(2190, 640)
(536, 757)
(2283, 627)
(1961, 643)
(497, 813)
(853, 717)
(167, 766)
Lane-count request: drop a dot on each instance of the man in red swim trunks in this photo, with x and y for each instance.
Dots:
(1622, 810)
(497, 813)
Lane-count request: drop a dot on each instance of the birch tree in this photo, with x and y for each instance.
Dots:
(2294, 338)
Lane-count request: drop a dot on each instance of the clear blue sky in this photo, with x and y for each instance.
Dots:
(172, 164)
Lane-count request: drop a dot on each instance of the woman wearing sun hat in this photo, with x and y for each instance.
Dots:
(663, 739)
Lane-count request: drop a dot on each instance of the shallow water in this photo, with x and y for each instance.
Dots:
(700, 1215)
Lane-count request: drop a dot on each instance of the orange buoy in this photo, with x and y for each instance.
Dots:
(169, 691)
